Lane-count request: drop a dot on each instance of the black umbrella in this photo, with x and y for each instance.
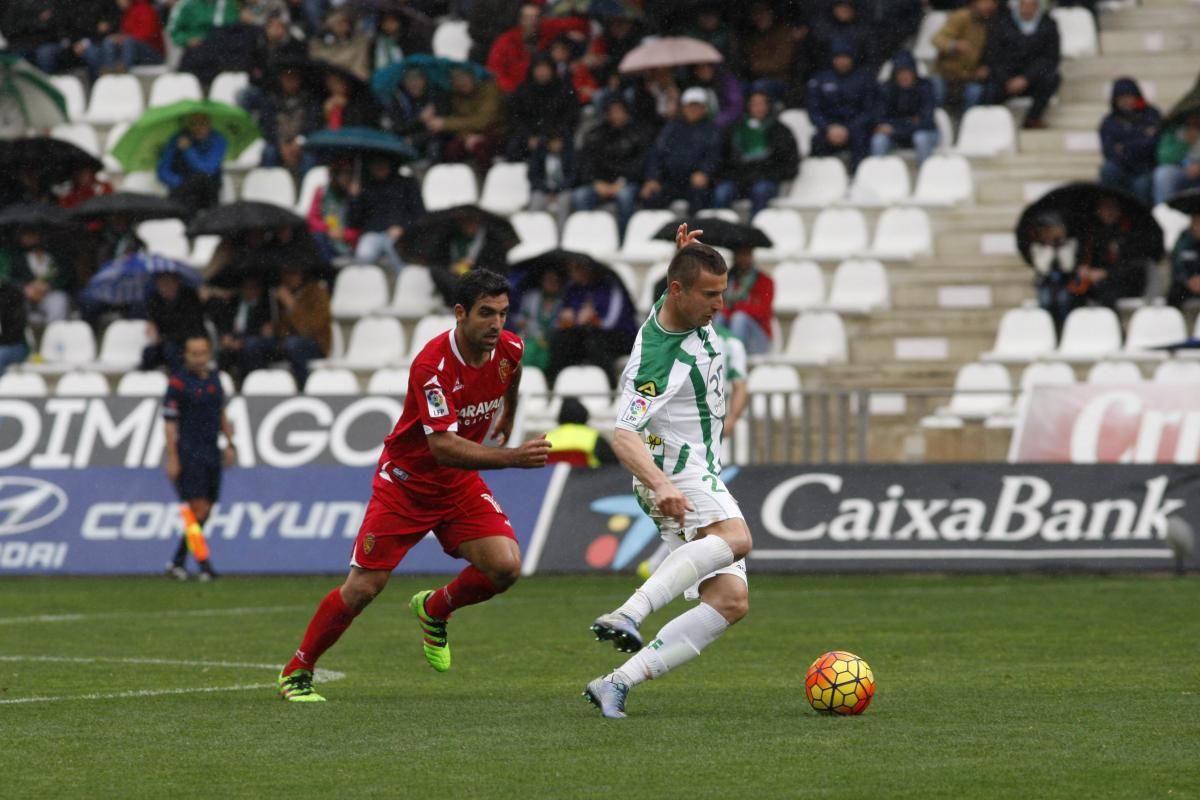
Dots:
(242, 216)
(527, 274)
(427, 241)
(718, 233)
(139, 207)
(1187, 201)
(54, 160)
(1076, 203)
(34, 215)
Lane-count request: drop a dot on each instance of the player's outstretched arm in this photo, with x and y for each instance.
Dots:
(451, 450)
(632, 453)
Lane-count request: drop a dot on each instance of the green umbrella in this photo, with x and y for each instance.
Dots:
(140, 146)
(27, 98)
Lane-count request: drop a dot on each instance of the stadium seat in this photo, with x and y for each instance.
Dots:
(80, 134)
(799, 286)
(986, 131)
(639, 246)
(331, 381)
(860, 287)
(22, 384)
(171, 87)
(837, 233)
(1114, 373)
(115, 98)
(390, 381)
(902, 234)
(269, 383)
(374, 342)
(427, 328)
(314, 179)
(65, 345)
(944, 180)
(816, 337)
(337, 340)
(121, 345)
(797, 121)
(226, 87)
(249, 158)
(774, 392)
(945, 128)
(71, 89)
(880, 181)
(82, 383)
(931, 23)
(650, 278)
(143, 183)
(785, 228)
(727, 214)
(538, 233)
(227, 384)
(628, 277)
(1176, 372)
(451, 40)
(1151, 327)
(821, 181)
(358, 290)
(592, 232)
(1025, 334)
(270, 185)
(1172, 223)
(505, 188)
(1090, 334)
(449, 185)
(142, 384)
(1077, 32)
(980, 390)
(165, 237)
(589, 384)
(415, 295)
(203, 248)
(1046, 373)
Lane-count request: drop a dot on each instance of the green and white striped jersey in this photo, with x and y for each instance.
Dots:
(673, 393)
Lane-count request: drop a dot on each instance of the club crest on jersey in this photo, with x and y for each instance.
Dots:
(649, 389)
(436, 401)
(636, 409)
(368, 544)
(505, 370)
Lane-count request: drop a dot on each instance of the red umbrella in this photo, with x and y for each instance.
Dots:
(669, 51)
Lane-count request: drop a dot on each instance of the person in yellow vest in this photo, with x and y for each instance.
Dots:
(575, 442)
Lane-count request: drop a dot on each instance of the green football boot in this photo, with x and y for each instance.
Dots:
(298, 687)
(433, 632)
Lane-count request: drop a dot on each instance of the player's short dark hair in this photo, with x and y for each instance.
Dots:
(686, 265)
(477, 284)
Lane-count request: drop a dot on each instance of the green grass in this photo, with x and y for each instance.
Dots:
(1030, 686)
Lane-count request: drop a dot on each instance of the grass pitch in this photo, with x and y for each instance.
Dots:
(1030, 686)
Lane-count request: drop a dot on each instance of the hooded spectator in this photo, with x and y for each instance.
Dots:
(1023, 56)
(1178, 157)
(190, 165)
(841, 106)
(684, 160)
(749, 299)
(760, 153)
(474, 126)
(904, 111)
(513, 50)
(1185, 265)
(286, 112)
(540, 109)
(841, 22)
(612, 162)
(1127, 137)
(725, 101)
(382, 209)
(960, 76)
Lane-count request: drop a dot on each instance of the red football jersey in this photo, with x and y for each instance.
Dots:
(446, 394)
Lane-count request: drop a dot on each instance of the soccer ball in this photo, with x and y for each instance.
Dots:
(839, 683)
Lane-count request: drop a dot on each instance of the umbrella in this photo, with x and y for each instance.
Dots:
(528, 273)
(718, 233)
(427, 241)
(1187, 201)
(1076, 203)
(436, 69)
(27, 98)
(130, 279)
(34, 215)
(54, 160)
(669, 51)
(602, 9)
(139, 207)
(242, 216)
(359, 141)
(139, 148)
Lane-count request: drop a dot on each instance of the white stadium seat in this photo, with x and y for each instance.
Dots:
(22, 384)
(143, 183)
(645, 296)
(945, 128)
(534, 398)
(816, 337)
(774, 392)
(860, 286)
(82, 383)
(1120, 373)
(797, 121)
(902, 234)
(374, 342)
(269, 383)
(449, 185)
(505, 188)
(538, 233)
(944, 180)
(122, 344)
(358, 290)
(65, 345)
(166, 237)
(931, 23)
(1176, 373)
(821, 181)
(249, 158)
(592, 232)
(315, 178)
(451, 40)
(227, 384)
(727, 214)
(838, 233)
(226, 87)
(980, 390)
(589, 384)
(987, 131)
(273, 185)
(415, 294)
(80, 134)
(627, 277)
(427, 328)
(1090, 334)
(1047, 373)
(1172, 223)
(785, 228)
(142, 384)
(392, 381)
(1151, 327)
(203, 248)
(331, 381)
(799, 286)
(1077, 32)
(639, 246)
(1025, 334)
(171, 87)
(115, 98)
(71, 89)
(880, 181)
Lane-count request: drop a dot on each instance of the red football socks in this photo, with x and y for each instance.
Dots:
(469, 587)
(330, 621)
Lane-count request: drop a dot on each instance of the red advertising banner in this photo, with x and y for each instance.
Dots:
(1148, 423)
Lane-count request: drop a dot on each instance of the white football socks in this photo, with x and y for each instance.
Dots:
(685, 566)
(679, 641)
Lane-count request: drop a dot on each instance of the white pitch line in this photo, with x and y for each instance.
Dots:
(37, 619)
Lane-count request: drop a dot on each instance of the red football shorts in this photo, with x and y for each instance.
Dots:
(397, 518)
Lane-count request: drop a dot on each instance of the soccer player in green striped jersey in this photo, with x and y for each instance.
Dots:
(668, 434)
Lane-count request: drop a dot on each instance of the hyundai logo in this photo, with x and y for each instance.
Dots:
(28, 503)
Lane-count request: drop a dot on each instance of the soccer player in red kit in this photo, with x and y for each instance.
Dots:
(428, 480)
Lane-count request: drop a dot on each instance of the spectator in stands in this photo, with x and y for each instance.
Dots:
(138, 41)
(191, 21)
(552, 174)
(33, 30)
(612, 162)
(536, 318)
(348, 103)
(407, 105)
(618, 35)
(302, 331)
(891, 24)
(401, 34)
(1178, 158)
(343, 45)
(474, 126)
(841, 22)
(278, 45)
(1128, 136)
(190, 165)
(1023, 59)
(470, 243)
(14, 347)
(1104, 273)
(707, 25)
(760, 153)
(685, 158)
(1053, 254)
(841, 106)
(286, 112)
(572, 69)
(768, 50)
(42, 274)
(749, 299)
(960, 76)
(1185, 265)
(725, 98)
(329, 215)
(381, 209)
(540, 109)
(513, 50)
(596, 324)
(239, 317)
(904, 111)
(85, 185)
(173, 314)
(654, 97)
(575, 442)
(257, 12)
(486, 20)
